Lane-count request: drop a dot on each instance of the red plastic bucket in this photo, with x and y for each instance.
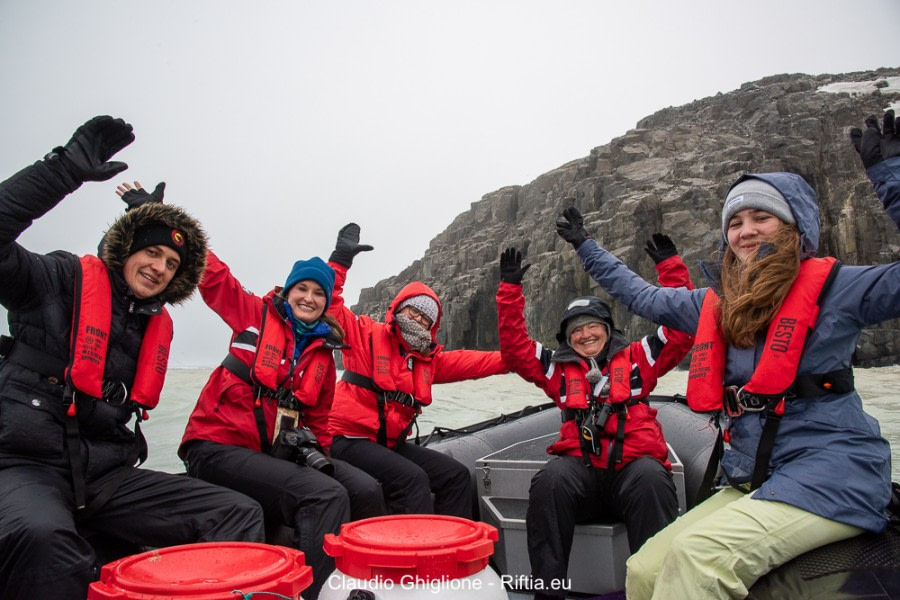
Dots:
(205, 571)
(427, 546)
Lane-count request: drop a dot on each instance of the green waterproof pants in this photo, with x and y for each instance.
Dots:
(719, 548)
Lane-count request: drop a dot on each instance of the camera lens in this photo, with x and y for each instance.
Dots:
(315, 459)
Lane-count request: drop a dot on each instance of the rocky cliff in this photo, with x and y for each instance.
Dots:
(669, 174)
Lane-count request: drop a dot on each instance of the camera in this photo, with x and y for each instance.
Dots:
(593, 427)
(300, 445)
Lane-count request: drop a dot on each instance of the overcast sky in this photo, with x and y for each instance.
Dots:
(275, 123)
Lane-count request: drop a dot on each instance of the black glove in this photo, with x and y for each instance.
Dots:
(875, 145)
(660, 247)
(138, 196)
(348, 246)
(511, 268)
(85, 156)
(570, 227)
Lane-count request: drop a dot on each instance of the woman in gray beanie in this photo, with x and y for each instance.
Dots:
(774, 337)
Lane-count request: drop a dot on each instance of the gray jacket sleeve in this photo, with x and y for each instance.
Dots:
(885, 178)
(678, 308)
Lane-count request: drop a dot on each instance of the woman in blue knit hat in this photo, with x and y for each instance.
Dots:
(259, 426)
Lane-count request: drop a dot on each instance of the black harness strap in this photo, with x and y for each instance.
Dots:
(360, 380)
(73, 444)
(382, 397)
(31, 358)
(242, 372)
(708, 483)
(767, 443)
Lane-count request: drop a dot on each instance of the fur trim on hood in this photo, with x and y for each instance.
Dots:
(116, 246)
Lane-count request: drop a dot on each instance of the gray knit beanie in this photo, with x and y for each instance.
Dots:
(424, 304)
(579, 320)
(755, 193)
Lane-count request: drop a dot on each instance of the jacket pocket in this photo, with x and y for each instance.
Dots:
(30, 424)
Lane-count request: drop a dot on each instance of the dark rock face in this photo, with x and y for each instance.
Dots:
(669, 174)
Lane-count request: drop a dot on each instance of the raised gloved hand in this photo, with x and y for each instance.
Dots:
(660, 247)
(875, 145)
(348, 246)
(138, 196)
(570, 227)
(511, 268)
(86, 156)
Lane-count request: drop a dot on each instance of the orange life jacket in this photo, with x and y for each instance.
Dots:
(577, 388)
(271, 349)
(785, 340)
(91, 319)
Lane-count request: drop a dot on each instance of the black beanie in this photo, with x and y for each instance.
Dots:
(159, 234)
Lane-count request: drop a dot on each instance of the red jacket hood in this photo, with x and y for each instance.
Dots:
(416, 288)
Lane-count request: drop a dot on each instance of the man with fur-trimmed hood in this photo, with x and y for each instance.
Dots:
(88, 351)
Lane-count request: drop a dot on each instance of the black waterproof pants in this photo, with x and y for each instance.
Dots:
(566, 492)
(299, 497)
(409, 474)
(43, 553)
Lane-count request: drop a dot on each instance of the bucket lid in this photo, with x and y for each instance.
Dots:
(204, 571)
(427, 547)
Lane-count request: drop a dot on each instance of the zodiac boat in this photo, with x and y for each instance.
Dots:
(503, 453)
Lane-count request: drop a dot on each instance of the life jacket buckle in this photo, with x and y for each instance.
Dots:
(399, 397)
(751, 402)
(733, 407)
(115, 393)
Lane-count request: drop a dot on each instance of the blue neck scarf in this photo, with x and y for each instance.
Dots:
(304, 333)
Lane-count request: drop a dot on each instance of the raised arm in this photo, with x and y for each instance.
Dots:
(223, 293)
(524, 356)
(879, 150)
(667, 347)
(35, 190)
(678, 308)
(345, 250)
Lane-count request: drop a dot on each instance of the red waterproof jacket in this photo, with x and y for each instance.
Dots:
(650, 358)
(355, 411)
(225, 409)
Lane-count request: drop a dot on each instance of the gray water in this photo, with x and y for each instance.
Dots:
(467, 402)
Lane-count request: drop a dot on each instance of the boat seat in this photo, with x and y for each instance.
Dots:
(599, 550)
(503, 479)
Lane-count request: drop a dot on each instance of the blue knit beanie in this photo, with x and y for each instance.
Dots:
(315, 269)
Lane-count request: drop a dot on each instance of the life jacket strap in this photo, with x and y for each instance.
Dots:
(53, 369)
(708, 483)
(73, 445)
(382, 397)
(240, 370)
(32, 359)
(738, 400)
(360, 380)
(767, 443)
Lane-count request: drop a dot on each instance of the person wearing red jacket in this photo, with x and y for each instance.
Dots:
(260, 423)
(389, 369)
(611, 457)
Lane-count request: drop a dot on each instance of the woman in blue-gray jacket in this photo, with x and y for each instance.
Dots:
(774, 335)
